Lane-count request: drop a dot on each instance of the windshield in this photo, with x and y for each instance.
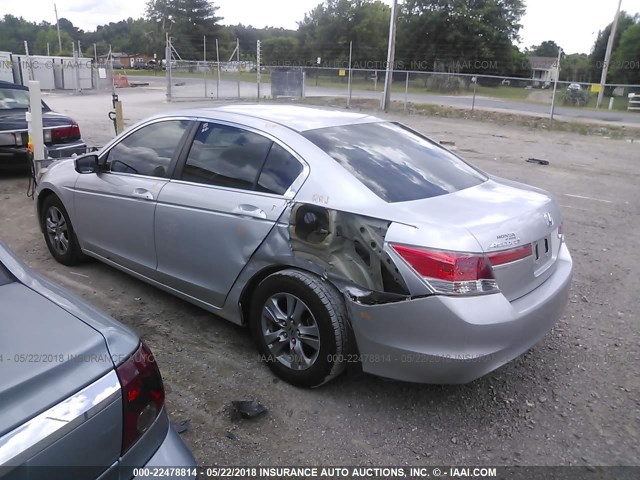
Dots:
(12, 98)
(395, 163)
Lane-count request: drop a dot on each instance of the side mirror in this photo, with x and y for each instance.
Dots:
(87, 164)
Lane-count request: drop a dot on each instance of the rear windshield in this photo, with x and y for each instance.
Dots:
(395, 163)
(12, 98)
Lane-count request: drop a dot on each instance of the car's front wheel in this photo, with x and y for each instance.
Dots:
(299, 324)
(58, 232)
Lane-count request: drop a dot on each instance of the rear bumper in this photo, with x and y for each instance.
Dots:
(16, 158)
(13, 158)
(445, 340)
(172, 456)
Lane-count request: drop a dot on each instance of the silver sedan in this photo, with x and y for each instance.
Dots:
(336, 237)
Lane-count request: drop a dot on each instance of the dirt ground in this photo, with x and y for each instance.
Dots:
(574, 399)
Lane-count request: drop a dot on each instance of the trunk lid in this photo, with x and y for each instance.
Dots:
(47, 355)
(500, 215)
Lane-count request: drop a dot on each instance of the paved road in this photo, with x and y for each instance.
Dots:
(194, 87)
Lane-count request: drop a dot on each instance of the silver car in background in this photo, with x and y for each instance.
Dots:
(80, 396)
(334, 236)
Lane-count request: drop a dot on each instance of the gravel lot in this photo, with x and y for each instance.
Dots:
(574, 399)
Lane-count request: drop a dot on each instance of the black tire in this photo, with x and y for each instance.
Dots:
(56, 236)
(325, 308)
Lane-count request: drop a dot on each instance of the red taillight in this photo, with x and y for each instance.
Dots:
(142, 394)
(458, 273)
(451, 272)
(449, 266)
(508, 256)
(65, 134)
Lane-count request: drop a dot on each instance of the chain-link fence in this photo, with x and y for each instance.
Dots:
(243, 79)
(196, 80)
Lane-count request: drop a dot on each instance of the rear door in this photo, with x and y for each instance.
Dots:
(225, 197)
(115, 209)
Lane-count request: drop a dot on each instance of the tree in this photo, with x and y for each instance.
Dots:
(277, 51)
(548, 48)
(575, 68)
(14, 31)
(600, 46)
(327, 30)
(625, 65)
(187, 21)
(50, 36)
(473, 36)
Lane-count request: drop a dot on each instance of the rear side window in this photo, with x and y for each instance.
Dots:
(149, 150)
(226, 156)
(279, 171)
(395, 163)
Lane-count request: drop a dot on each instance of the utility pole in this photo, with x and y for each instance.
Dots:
(26, 51)
(58, 27)
(607, 56)
(391, 52)
(555, 85)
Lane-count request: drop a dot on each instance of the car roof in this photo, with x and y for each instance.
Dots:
(15, 86)
(295, 117)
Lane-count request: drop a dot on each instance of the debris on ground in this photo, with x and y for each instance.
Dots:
(248, 408)
(537, 160)
(182, 426)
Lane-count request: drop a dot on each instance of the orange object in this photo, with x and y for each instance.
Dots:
(120, 80)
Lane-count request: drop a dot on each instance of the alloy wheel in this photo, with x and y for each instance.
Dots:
(290, 331)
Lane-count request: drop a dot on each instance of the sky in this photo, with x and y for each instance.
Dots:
(572, 24)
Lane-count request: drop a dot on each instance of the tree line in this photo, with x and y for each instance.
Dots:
(458, 36)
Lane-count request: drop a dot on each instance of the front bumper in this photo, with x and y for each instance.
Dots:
(446, 340)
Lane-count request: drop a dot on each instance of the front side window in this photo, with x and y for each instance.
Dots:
(226, 156)
(149, 150)
(395, 163)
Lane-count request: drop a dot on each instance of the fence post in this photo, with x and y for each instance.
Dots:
(167, 59)
(76, 66)
(406, 92)
(204, 67)
(475, 87)
(238, 62)
(258, 68)
(349, 80)
(218, 65)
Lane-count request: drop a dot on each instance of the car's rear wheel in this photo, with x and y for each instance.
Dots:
(299, 324)
(58, 232)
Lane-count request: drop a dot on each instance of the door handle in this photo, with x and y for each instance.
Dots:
(249, 211)
(143, 193)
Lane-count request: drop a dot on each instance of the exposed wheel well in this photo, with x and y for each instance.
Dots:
(42, 196)
(249, 289)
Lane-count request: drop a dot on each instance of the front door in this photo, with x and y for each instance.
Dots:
(115, 209)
